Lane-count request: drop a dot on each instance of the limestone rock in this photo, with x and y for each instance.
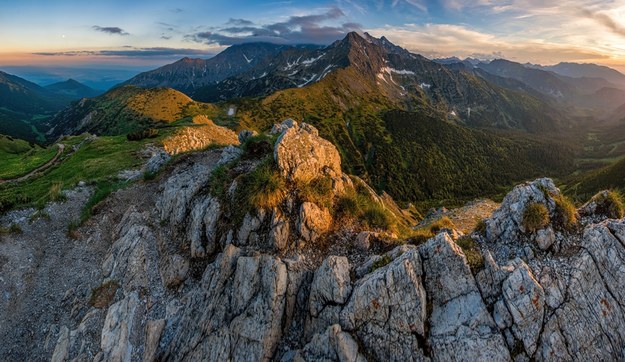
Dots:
(525, 299)
(229, 154)
(153, 332)
(203, 134)
(313, 221)
(157, 160)
(389, 305)
(331, 284)
(175, 270)
(507, 221)
(545, 238)
(286, 124)
(245, 135)
(302, 155)
(461, 327)
(331, 345)
(237, 312)
(118, 325)
(279, 233)
(202, 228)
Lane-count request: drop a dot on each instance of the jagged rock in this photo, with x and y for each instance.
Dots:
(118, 325)
(158, 159)
(525, 300)
(363, 240)
(545, 238)
(153, 332)
(250, 224)
(245, 135)
(175, 270)
(461, 326)
(229, 154)
(302, 155)
(389, 305)
(331, 345)
(61, 351)
(237, 312)
(204, 216)
(368, 266)
(286, 124)
(313, 221)
(507, 221)
(179, 189)
(279, 233)
(203, 134)
(331, 284)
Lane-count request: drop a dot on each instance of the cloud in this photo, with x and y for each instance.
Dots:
(311, 29)
(444, 40)
(605, 20)
(109, 30)
(133, 52)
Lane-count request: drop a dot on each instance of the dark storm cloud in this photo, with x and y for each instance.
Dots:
(109, 30)
(295, 30)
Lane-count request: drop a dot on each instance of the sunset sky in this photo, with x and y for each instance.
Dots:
(153, 33)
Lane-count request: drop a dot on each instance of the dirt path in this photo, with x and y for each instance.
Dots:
(40, 168)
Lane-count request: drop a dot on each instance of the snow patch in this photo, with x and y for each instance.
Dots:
(308, 62)
(389, 70)
(246, 58)
(425, 85)
(307, 80)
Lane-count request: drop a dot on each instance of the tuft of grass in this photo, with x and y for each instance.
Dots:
(103, 295)
(39, 214)
(472, 252)
(378, 217)
(149, 176)
(442, 223)
(610, 204)
(72, 230)
(480, 227)
(56, 192)
(103, 189)
(382, 262)
(565, 214)
(347, 206)
(317, 191)
(220, 181)
(12, 229)
(535, 217)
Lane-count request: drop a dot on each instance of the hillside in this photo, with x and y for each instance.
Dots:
(72, 89)
(120, 111)
(24, 106)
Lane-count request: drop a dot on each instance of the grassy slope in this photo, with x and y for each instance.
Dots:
(95, 162)
(18, 157)
(416, 157)
(582, 187)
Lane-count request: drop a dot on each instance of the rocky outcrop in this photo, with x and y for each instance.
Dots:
(200, 135)
(313, 221)
(302, 155)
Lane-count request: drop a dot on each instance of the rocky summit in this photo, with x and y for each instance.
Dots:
(182, 268)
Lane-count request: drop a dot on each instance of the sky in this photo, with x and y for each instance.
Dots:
(141, 34)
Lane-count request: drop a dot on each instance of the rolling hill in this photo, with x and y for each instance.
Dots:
(72, 89)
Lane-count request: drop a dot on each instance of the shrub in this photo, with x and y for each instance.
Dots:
(442, 223)
(264, 187)
(610, 204)
(381, 262)
(377, 216)
(317, 191)
(480, 227)
(347, 206)
(55, 193)
(103, 295)
(565, 214)
(535, 217)
(142, 134)
(472, 252)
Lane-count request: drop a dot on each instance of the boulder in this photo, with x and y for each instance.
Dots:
(245, 135)
(175, 270)
(389, 305)
(313, 221)
(302, 155)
